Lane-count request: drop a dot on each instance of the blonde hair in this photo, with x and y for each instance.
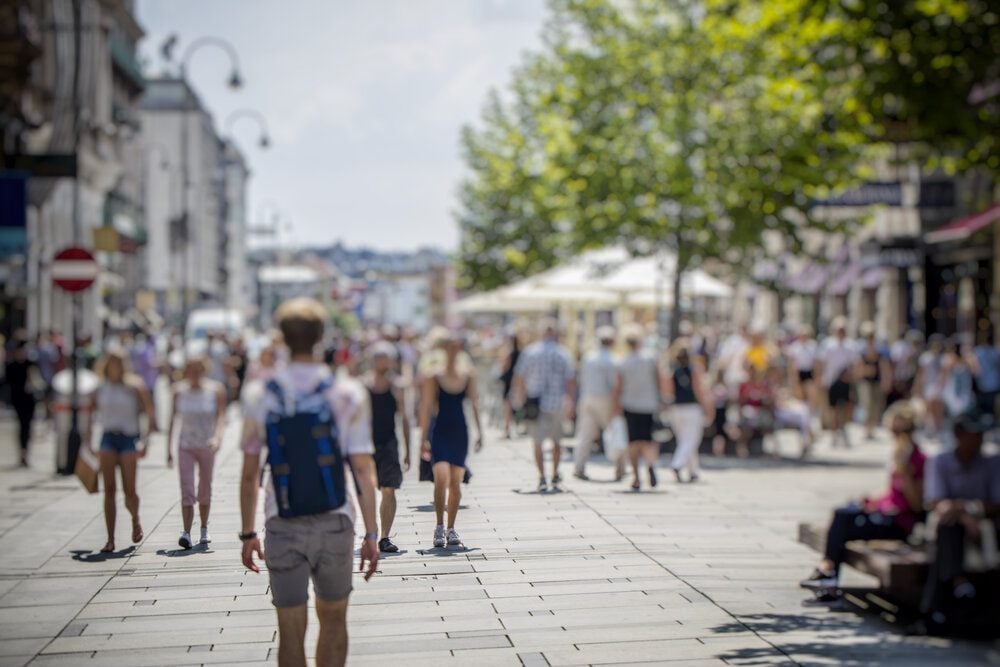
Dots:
(301, 322)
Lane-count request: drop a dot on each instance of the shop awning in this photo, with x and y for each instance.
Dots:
(963, 228)
(810, 279)
(843, 278)
(873, 277)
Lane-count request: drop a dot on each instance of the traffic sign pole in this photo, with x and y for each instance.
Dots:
(74, 270)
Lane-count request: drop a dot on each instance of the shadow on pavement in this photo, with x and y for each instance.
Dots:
(183, 553)
(447, 551)
(844, 638)
(536, 492)
(89, 556)
(430, 508)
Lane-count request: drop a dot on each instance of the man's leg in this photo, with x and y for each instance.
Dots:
(538, 435)
(331, 648)
(555, 432)
(387, 509)
(586, 435)
(292, 623)
(947, 566)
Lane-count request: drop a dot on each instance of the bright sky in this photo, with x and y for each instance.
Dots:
(365, 101)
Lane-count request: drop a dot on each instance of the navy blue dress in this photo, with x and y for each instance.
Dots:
(450, 432)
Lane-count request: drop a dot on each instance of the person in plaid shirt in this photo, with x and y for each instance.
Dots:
(545, 384)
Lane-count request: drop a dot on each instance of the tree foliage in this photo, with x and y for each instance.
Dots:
(705, 126)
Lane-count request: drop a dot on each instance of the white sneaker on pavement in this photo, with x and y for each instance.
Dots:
(185, 540)
(453, 539)
(439, 536)
(205, 537)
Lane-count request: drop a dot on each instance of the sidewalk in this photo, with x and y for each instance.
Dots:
(690, 575)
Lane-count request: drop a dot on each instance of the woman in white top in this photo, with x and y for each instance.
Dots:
(801, 354)
(200, 405)
(638, 397)
(118, 404)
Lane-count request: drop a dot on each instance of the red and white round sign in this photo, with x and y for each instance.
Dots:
(74, 269)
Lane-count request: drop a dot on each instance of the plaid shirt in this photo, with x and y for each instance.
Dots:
(546, 368)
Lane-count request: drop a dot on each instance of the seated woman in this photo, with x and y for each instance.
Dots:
(889, 517)
(756, 409)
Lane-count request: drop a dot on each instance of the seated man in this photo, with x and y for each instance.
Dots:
(890, 517)
(963, 489)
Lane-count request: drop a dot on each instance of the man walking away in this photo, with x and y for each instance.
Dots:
(312, 424)
(598, 375)
(387, 401)
(545, 385)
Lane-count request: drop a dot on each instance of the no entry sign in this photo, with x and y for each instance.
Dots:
(74, 269)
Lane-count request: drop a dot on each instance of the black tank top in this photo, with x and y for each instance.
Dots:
(383, 416)
(683, 386)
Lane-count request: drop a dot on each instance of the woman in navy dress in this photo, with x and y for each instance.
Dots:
(446, 438)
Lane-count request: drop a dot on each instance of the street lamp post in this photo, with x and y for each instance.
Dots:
(235, 82)
(264, 142)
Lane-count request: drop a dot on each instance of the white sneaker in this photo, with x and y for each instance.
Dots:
(205, 537)
(185, 540)
(439, 536)
(453, 539)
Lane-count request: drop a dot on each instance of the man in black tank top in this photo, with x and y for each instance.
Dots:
(386, 402)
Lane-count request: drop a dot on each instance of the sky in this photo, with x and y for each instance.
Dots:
(364, 100)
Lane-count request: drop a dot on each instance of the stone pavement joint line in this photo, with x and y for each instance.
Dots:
(690, 575)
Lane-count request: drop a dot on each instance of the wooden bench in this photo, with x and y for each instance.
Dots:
(901, 569)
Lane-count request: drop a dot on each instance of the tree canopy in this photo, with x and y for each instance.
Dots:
(704, 125)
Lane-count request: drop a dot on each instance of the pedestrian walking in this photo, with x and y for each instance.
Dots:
(638, 397)
(311, 423)
(835, 367)
(801, 354)
(929, 383)
(545, 387)
(199, 404)
(24, 383)
(509, 363)
(984, 360)
(598, 375)
(692, 403)
(874, 372)
(119, 403)
(386, 403)
(445, 434)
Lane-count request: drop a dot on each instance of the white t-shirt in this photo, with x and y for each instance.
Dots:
(837, 356)
(348, 401)
(802, 354)
(733, 359)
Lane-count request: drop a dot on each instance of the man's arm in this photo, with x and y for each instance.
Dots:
(249, 486)
(170, 427)
(363, 466)
(405, 419)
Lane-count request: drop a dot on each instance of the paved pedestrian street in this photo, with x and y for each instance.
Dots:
(692, 575)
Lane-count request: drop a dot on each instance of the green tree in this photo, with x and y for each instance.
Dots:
(655, 124)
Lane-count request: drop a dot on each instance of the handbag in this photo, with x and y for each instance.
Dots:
(86, 469)
(532, 408)
(615, 438)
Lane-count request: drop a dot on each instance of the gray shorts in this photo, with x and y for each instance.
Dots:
(547, 426)
(320, 547)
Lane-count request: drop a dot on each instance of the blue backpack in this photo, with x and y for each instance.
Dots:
(307, 466)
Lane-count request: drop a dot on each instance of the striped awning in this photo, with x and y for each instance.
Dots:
(963, 228)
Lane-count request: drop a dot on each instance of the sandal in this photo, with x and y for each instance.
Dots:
(137, 534)
(108, 548)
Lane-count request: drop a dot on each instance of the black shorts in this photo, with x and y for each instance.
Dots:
(805, 376)
(640, 426)
(387, 468)
(839, 394)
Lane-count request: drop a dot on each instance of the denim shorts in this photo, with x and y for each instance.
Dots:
(119, 442)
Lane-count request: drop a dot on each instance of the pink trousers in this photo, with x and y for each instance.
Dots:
(204, 457)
